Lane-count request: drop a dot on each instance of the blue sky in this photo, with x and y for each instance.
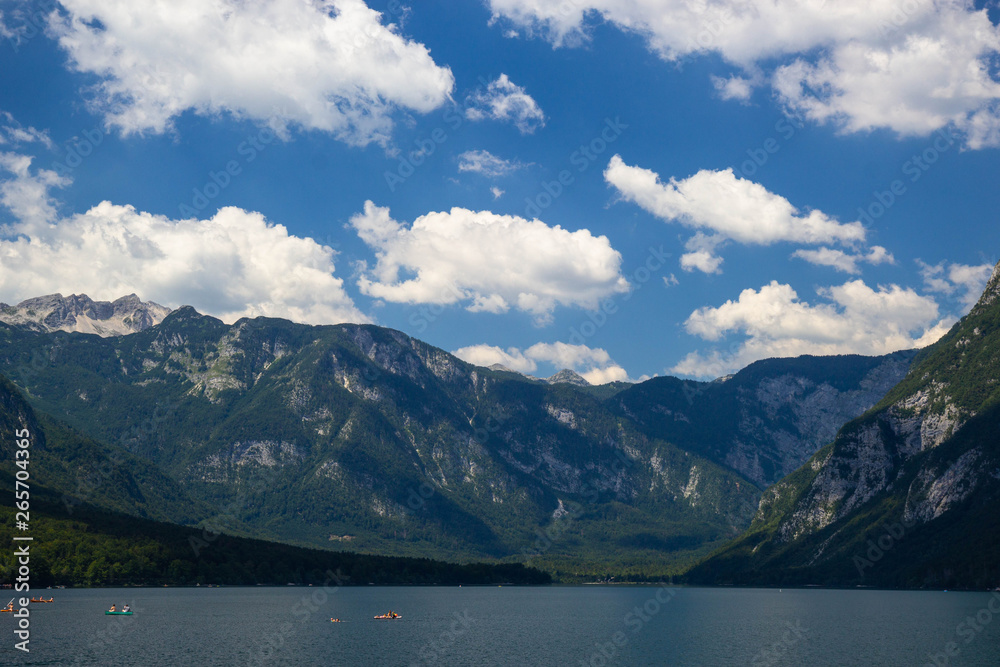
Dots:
(624, 188)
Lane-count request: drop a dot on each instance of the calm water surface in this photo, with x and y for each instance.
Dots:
(584, 625)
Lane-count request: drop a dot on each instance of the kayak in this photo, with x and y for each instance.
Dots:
(118, 613)
(386, 617)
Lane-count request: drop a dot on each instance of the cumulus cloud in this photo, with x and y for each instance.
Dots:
(594, 364)
(734, 87)
(963, 280)
(912, 66)
(486, 163)
(232, 265)
(846, 262)
(487, 262)
(852, 319)
(25, 192)
(327, 65)
(723, 206)
(505, 101)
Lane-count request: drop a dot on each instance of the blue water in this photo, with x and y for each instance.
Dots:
(574, 625)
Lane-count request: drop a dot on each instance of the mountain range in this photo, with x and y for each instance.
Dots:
(908, 494)
(360, 438)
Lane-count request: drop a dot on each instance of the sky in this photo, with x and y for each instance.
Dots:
(626, 188)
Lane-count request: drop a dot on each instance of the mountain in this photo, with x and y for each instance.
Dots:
(908, 494)
(77, 541)
(80, 313)
(85, 470)
(362, 438)
(768, 419)
(567, 376)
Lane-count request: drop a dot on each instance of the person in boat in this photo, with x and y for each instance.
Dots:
(125, 607)
(10, 606)
(113, 608)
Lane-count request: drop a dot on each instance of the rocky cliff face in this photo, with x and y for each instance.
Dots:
(769, 418)
(80, 313)
(926, 457)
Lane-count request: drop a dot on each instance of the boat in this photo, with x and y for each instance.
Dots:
(336, 620)
(118, 613)
(41, 600)
(388, 616)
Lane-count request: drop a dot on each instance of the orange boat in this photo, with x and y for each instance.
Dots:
(41, 600)
(388, 616)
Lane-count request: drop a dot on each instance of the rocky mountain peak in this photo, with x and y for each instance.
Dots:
(992, 291)
(80, 313)
(569, 377)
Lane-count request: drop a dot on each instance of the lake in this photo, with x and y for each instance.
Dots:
(558, 625)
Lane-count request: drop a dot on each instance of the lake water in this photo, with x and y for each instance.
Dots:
(572, 625)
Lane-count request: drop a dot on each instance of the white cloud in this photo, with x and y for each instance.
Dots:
(486, 163)
(939, 74)
(26, 193)
(855, 319)
(497, 192)
(594, 364)
(232, 265)
(14, 134)
(912, 66)
(733, 207)
(701, 254)
(702, 260)
(507, 102)
(968, 281)
(722, 206)
(487, 355)
(327, 65)
(487, 261)
(734, 87)
(842, 261)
